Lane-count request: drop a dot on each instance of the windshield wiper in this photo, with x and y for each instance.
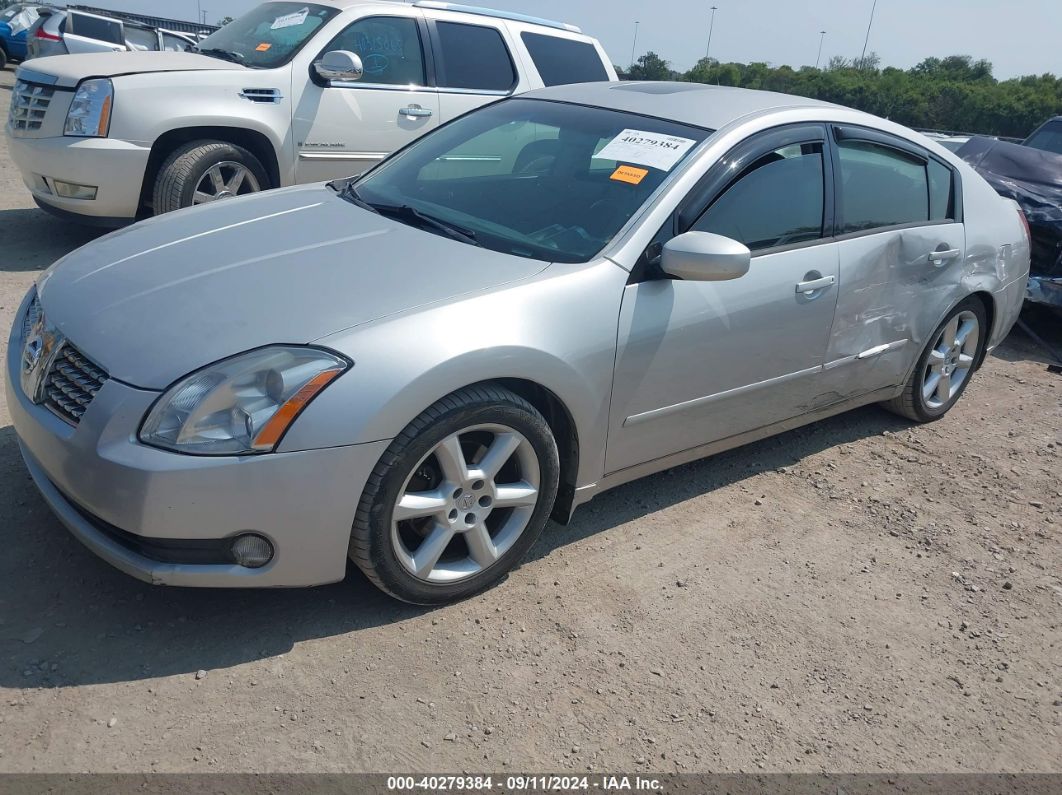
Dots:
(217, 52)
(413, 214)
(350, 193)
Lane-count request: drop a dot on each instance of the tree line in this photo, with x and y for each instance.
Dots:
(955, 93)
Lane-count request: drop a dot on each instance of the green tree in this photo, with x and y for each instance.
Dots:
(651, 67)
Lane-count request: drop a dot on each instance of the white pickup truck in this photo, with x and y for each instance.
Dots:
(291, 92)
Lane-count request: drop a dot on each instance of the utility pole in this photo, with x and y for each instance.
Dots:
(199, 11)
(863, 57)
(711, 27)
(634, 43)
(822, 37)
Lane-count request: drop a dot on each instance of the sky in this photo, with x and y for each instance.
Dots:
(1018, 36)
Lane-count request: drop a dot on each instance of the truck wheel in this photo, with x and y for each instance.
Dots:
(207, 171)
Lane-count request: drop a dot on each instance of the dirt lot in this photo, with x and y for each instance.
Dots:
(859, 595)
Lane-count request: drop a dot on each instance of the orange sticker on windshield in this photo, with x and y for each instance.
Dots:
(630, 175)
(265, 45)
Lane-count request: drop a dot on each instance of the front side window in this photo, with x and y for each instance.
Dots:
(880, 187)
(545, 180)
(776, 201)
(389, 48)
(267, 36)
(1048, 138)
(473, 57)
(561, 61)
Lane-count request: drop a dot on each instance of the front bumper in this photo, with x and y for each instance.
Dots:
(115, 167)
(303, 502)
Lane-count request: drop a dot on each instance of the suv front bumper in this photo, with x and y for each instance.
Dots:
(114, 167)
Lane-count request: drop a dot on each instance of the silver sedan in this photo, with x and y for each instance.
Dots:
(548, 297)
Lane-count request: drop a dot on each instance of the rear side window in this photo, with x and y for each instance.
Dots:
(880, 187)
(1048, 138)
(776, 201)
(941, 204)
(474, 57)
(108, 30)
(562, 61)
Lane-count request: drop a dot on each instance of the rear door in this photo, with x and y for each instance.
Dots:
(342, 127)
(92, 33)
(902, 246)
(474, 64)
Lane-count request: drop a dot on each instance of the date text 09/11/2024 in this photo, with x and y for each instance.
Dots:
(518, 783)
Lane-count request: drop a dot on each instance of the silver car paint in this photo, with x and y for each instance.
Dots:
(571, 329)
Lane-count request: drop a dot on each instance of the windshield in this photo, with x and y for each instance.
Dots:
(1048, 138)
(539, 179)
(269, 36)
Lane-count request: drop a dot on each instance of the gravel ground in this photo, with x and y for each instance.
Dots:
(858, 595)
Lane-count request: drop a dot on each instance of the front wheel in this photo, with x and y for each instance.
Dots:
(206, 171)
(946, 365)
(458, 498)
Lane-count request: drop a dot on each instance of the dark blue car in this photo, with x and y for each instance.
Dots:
(13, 41)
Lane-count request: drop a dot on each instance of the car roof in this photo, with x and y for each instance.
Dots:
(445, 5)
(696, 104)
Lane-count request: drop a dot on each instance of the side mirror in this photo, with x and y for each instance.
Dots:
(339, 65)
(705, 257)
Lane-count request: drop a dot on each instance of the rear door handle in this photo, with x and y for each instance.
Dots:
(416, 111)
(946, 255)
(813, 286)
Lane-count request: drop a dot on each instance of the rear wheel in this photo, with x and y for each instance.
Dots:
(207, 171)
(946, 365)
(458, 499)
(3, 58)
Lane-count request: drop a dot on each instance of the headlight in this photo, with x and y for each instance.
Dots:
(90, 112)
(240, 405)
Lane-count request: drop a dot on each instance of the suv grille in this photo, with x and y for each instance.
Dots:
(29, 104)
(72, 383)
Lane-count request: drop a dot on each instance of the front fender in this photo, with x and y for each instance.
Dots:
(557, 330)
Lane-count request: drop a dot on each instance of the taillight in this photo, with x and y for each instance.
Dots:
(1025, 223)
(43, 34)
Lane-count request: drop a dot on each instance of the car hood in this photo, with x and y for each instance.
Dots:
(69, 70)
(159, 299)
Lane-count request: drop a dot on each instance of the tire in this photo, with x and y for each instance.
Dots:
(3, 58)
(479, 418)
(945, 355)
(184, 178)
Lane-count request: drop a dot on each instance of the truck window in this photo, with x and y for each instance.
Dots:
(389, 47)
(474, 57)
(562, 61)
(1048, 138)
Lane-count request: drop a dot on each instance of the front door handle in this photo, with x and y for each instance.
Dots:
(939, 257)
(813, 286)
(415, 111)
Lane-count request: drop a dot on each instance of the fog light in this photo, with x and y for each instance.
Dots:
(70, 190)
(251, 551)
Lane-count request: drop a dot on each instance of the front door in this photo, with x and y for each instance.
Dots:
(702, 361)
(343, 128)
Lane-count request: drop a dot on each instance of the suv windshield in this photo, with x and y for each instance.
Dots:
(534, 178)
(1048, 138)
(269, 36)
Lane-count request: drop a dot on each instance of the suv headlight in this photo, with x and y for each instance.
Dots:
(240, 405)
(90, 112)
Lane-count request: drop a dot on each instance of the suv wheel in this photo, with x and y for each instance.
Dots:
(458, 498)
(946, 365)
(207, 171)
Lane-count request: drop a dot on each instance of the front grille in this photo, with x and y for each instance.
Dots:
(29, 104)
(71, 384)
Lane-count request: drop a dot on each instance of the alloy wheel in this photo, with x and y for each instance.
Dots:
(951, 360)
(466, 503)
(225, 180)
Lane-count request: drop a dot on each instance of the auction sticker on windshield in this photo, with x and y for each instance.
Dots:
(646, 149)
(290, 20)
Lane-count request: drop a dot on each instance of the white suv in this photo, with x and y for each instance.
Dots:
(291, 92)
